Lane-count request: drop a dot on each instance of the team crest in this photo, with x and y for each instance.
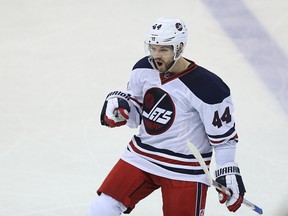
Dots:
(158, 111)
(179, 26)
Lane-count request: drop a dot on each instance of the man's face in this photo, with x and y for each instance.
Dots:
(163, 57)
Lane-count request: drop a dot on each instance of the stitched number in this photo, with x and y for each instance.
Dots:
(226, 117)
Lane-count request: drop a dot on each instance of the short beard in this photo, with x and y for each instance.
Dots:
(168, 67)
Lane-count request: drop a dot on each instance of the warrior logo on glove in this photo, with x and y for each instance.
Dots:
(116, 108)
(229, 176)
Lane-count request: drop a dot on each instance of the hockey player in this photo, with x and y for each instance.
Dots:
(173, 101)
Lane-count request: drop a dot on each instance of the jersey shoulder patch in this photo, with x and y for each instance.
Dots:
(206, 85)
(143, 63)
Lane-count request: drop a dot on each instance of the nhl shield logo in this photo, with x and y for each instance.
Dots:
(202, 211)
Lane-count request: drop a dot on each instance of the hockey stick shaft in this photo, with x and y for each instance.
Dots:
(220, 187)
(246, 202)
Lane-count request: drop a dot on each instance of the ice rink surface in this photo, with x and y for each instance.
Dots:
(59, 59)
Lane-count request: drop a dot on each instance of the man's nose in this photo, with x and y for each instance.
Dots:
(157, 54)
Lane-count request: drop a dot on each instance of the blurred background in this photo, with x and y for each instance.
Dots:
(59, 59)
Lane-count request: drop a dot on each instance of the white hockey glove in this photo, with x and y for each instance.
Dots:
(116, 108)
(229, 176)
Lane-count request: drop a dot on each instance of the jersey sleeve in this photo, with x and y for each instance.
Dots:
(134, 89)
(218, 121)
(210, 96)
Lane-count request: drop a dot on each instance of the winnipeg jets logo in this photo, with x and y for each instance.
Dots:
(158, 114)
(179, 26)
(158, 111)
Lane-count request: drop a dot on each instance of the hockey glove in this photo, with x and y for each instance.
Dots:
(229, 176)
(115, 111)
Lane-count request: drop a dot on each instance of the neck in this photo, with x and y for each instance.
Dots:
(181, 65)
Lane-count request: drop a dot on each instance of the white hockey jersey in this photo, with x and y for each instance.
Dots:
(193, 106)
